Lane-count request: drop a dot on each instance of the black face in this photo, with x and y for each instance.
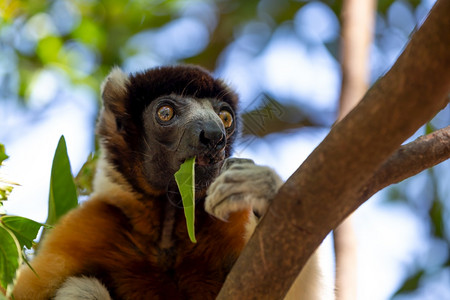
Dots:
(178, 128)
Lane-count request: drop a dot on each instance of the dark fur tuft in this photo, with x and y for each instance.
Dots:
(186, 80)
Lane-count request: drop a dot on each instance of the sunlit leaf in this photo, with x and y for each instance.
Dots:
(10, 258)
(10, 9)
(48, 49)
(24, 229)
(185, 178)
(5, 190)
(3, 155)
(63, 195)
(90, 33)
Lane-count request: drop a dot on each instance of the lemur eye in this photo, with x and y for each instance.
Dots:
(226, 117)
(165, 113)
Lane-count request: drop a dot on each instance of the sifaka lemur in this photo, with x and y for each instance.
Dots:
(129, 240)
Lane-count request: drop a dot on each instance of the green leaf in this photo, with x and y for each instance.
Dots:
(447, 263)
(411, 283)
(185, 178)
(10, 258)
(3, 155)
(5, 191)
(63, 194)
(429, 128)
(85, 176)
(437, 219)
(383, 5)
(24, 229)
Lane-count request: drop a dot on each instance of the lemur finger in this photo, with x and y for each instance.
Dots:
(222, 209)
(221, 205)
(235, 161)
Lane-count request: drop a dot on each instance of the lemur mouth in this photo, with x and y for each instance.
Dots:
(207, 168)
(207, 159)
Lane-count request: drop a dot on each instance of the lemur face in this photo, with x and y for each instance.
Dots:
(153, 121)
(182, 127)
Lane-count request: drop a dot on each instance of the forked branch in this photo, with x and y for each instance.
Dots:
(327, 186)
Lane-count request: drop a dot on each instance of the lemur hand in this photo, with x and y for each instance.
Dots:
(241, 185)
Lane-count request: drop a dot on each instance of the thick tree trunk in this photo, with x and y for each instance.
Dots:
(356, 37)
(327, 186)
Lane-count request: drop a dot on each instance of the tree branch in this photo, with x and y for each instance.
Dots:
(326, 187)
(421, 154)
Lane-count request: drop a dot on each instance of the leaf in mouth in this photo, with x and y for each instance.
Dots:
(185, 178)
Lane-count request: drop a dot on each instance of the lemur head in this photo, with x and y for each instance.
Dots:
(153, 121)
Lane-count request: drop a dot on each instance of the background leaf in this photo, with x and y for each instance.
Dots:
(10, 257)
(24, 229)
(185, 178)
(4, 192)
(3, 155)
(411, 283)
(85, 176)
(63, 195)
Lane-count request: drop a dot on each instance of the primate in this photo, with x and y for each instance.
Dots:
(129, 240)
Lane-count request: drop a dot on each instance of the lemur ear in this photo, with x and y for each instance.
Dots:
(114, 91)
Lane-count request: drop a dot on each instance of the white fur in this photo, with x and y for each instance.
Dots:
(107, 180)
(82, 288)
(118, 80)
(312, 283)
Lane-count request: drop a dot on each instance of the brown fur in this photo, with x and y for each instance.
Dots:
(133, 237)
(99, 239)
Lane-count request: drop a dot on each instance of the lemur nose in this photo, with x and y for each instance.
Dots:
(212, 137)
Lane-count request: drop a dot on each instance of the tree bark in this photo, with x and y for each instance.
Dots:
(326, 188)
(356, 37)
